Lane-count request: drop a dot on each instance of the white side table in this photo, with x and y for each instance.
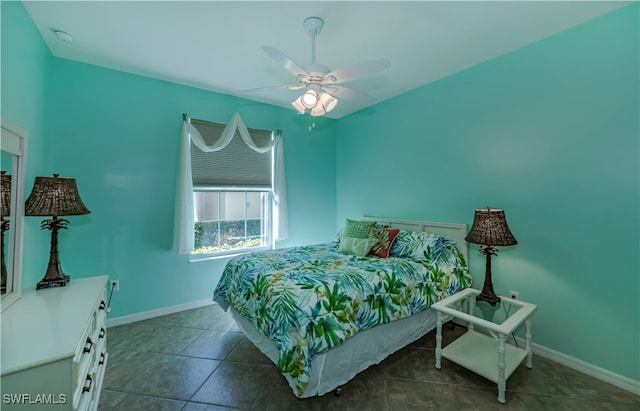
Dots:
(487, 354)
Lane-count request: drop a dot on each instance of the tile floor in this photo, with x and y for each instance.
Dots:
(197, 360)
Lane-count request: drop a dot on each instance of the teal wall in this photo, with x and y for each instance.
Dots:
(118, 135)
(25, 79)
(550, 134)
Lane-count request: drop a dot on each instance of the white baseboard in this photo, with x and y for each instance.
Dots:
(594, 371)
(145, 315)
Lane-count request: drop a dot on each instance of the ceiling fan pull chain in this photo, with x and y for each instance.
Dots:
(312, 124)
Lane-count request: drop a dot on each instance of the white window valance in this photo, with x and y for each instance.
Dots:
(227, 135)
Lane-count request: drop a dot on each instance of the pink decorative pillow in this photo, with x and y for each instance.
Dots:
(385, 238)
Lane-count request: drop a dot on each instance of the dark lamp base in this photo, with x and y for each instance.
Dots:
(53, 282)
(53, 277)
(491, 299)
(487, 294)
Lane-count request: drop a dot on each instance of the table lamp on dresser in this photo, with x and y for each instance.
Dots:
(490, 229)
(54, 196)
(5, 210)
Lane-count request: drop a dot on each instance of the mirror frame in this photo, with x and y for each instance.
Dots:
(13, 140)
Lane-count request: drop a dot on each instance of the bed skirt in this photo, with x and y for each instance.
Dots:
(339, 365)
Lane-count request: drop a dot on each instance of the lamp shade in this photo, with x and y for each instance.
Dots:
(5, 194)
(327, 102)
(310, 99)
(490, 228)
(54, 196)
(297, 104)
(318, 111)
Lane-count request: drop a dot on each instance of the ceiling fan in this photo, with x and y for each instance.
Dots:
(322, 86)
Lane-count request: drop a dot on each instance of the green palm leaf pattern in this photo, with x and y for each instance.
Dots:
(312, 298)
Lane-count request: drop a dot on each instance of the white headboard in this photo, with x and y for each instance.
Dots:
(453, 231)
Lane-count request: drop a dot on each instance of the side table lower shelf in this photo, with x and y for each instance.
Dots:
(485, 355)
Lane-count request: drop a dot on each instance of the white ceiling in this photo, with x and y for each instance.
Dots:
(216, 45)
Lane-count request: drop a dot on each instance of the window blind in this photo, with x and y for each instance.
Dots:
(236, 165)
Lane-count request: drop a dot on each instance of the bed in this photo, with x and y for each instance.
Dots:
(323, 315)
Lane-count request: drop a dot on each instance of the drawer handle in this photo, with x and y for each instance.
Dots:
(88, 388)
(90, 343)
(101, 362)
(102, 332)
(102, 305)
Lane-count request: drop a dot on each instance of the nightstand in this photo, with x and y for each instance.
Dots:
(486, 353)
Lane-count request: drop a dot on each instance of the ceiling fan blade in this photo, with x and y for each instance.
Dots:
(260, 89)
(350, 94)
(356, 71)
(285, 61)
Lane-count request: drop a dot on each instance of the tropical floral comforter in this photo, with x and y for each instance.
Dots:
(311, 298)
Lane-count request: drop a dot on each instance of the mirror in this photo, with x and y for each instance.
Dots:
(12, 162)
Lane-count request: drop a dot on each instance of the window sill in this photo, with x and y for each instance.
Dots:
(195, 258)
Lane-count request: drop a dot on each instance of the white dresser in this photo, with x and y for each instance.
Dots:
(54, 348)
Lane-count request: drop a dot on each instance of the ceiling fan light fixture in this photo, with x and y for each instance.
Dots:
(297, 104)
(319, 82)
(310, 99)
(318, 111)
(328, 102)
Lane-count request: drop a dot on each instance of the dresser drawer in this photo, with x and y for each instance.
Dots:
(54, 348)
(89, 356)
(98, 377)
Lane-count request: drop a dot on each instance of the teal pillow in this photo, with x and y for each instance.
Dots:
(356, 246)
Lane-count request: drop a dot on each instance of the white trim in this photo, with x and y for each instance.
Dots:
(197, 257)
(145, 315)
(13, 140)
(591, 370)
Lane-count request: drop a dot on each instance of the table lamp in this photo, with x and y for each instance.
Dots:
(489, 229)
(54, 196)
(5, 211)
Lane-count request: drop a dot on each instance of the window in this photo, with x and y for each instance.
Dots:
(227, 159)
(231, 221)
(232, 193)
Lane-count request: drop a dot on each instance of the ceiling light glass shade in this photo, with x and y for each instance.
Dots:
(310, 99)
(318, 110)
(328, 102)
(297, 104)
